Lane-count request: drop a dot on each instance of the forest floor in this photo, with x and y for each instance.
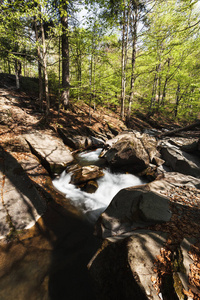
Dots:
(20, 114)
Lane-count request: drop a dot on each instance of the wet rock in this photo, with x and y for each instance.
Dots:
(91, 186)
(130, 151)
(50, 150)
(86, 173)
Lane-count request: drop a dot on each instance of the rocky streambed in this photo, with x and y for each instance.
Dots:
(142, 244)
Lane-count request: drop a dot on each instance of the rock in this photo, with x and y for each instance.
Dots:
(91, 186)
(187, 261)
(50, 150)
(124, 270)
(189, 145)
(86, 173)
(21, 205)
(130, 151)
(175, 179)
(179, 160)
(142, 205)
(79, 141)
(75, 141)
(131, 208)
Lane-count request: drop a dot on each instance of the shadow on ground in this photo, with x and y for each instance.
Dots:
(48, 261)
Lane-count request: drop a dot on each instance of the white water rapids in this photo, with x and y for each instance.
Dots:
(109, 185)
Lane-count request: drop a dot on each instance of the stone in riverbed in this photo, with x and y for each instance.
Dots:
(50, 150)
(91, 186)
(130, 151)
(86, 173)
(130, 208)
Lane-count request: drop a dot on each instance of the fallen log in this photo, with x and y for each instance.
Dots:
(172, 132)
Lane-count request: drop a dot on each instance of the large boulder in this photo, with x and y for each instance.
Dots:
(130, 151)
(179, 160)
(143, 205)
(50, 150)
(131, 208)
(144, 266)
(21, 205)
(124, 269)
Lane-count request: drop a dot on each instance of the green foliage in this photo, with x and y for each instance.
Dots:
(167, 65)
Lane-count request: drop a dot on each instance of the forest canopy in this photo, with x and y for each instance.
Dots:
(128, 54)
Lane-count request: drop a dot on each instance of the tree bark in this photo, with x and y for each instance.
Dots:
(39, 67)
(177, 100)
(46, 82)
(123, 73)
(172, 132)
(134, 40)
(18, 67)
(65, 60)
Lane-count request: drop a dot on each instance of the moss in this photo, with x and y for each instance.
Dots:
(177, 264)
(178, 287)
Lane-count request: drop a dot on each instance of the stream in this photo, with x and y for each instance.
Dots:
(92, 205)
(49, 261)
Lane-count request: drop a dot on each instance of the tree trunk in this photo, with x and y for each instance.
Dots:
(134, 40)
(177, 100)
(123, 73)
(18, 67)
(162, 101)
(154, 90)
(65, 60)
(46, 82)
(177, 130)
(39, 67)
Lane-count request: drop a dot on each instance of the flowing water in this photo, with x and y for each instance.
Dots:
(49, 261)
(92, 205)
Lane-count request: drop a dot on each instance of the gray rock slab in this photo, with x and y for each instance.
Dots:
(187, 261)
(124, 269)
(143, 247)
(50, 150)
(21, 205)
(179, 160)
(131, 208)
(155, 208)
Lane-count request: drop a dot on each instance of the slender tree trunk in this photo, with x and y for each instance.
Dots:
(59, 69)
(46, 82)
(133, 58)
(65, 60)
(159, 92)
(91, 82)
(162, 101)
(154, 89)
(79, 77)
(177, 100)
(39, 67)
(123, 73)
(9, 69)
(18, 67)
